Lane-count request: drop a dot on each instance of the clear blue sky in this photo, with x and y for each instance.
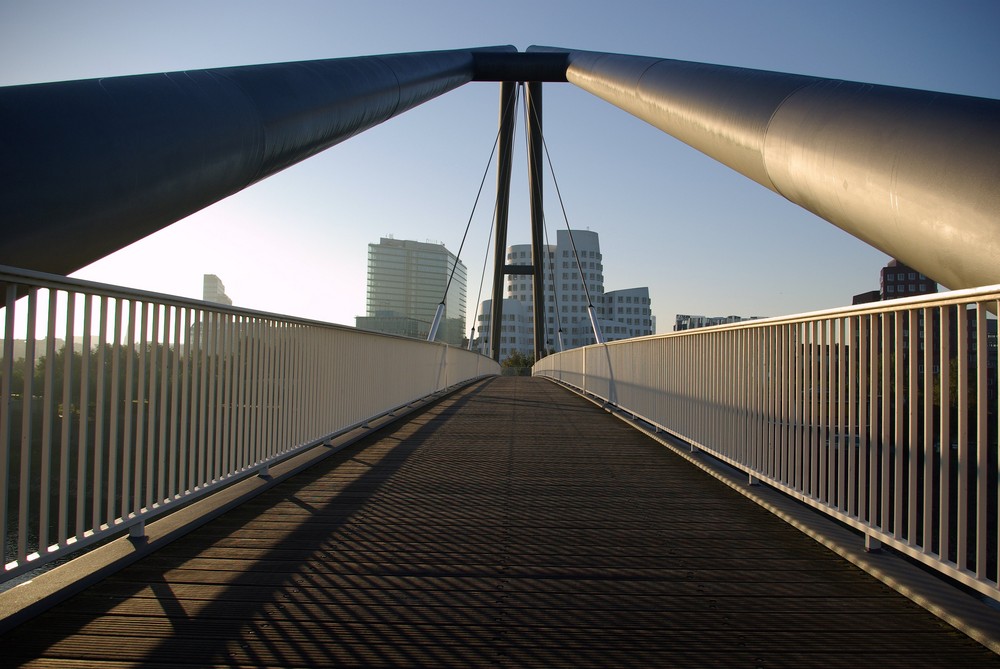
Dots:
(704, 239)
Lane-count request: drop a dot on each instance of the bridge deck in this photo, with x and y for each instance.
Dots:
(512, 524)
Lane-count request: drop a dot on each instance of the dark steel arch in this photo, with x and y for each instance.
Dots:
(88, 167)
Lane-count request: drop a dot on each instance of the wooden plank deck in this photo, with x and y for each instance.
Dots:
(512, 524)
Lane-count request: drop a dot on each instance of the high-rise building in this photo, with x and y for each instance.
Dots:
(899, 280)
(690, 322)
(214, 291)
(626, 314)
(406, 283)
(573, 270)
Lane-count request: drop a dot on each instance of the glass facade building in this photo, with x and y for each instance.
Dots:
(406, 281)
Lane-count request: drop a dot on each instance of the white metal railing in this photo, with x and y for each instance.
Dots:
(116, 405)
(884, 416)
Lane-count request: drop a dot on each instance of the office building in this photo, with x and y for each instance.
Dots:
(899, 280)
(569, 277)
(214, 291)
(690, 322)
(406, 283)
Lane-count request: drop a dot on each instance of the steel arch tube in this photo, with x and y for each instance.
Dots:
(88, 167)
(913, 173)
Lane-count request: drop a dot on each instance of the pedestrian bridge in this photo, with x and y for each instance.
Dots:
(256, 489)
(300, 494)
(511, 523)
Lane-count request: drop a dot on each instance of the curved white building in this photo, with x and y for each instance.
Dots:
(574, 267)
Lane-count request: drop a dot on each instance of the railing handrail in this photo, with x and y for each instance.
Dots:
(168, 398)
(845, 409)
(947, 298)
(10, 274)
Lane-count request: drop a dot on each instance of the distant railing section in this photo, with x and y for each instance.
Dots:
(116, 405)
(884, 416)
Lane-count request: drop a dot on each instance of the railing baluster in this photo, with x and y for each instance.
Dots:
(944, 532)
(127, 475)
(27, 401)
(7, 412)
(864, 394)
(242, 393)
(65, 491)
(139, 443)
(888, 347)
(913, 411)
(962, 519)
(48, 419)
(979, 359)
(845, 440)
(898, 440)
(994, 306)
(202, 397)
(784, 446)
(100, 423)
(167, 354)
(84, 443)
(927, 510)
(151, 347)
(186, 428)
(852, 348)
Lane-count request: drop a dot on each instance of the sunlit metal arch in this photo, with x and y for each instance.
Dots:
(913, 173)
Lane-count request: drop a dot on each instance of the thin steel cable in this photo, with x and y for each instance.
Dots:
(555, 182)
(486, 260)
(545, 231)
(552, 277)
(475, 204)
(496, 207)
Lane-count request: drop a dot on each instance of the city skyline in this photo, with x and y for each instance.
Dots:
(727, 245)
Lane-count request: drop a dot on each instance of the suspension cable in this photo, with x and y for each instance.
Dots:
(545, 231)
(482, 277)
(437, 317)
(555, 293)
(598, 336)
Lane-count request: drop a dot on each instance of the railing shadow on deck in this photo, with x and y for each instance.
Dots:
(231, 614)
(844, 410)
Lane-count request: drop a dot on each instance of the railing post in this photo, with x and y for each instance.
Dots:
(137, 530)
